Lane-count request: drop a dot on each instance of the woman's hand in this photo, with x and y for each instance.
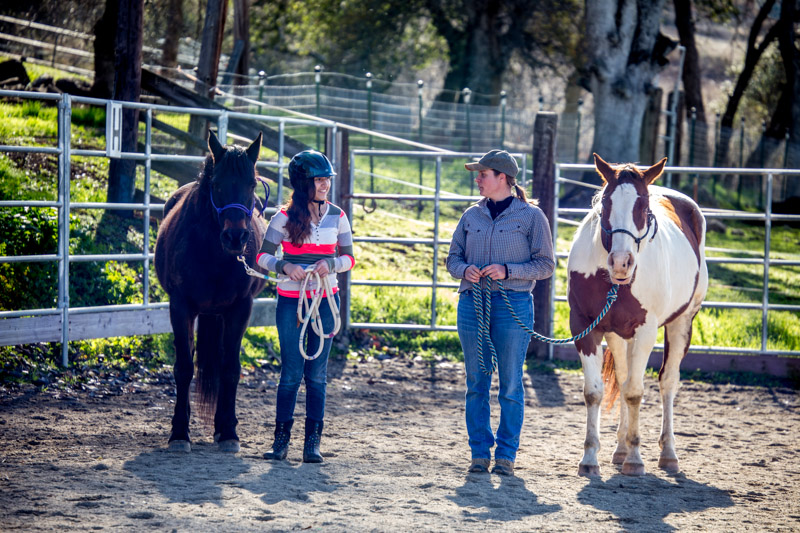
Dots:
(321, 267)
(472, 274)
(494, 271)
(295, 272)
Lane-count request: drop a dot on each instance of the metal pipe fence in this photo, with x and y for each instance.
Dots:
(768, 217)
(64, 206)
(439, 196)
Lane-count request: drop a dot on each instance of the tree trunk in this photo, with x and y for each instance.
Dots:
(127, 87)
(623, 60)
(241, 32)
(105, 32)
(208, 64)
(692, 75)
(786, 114)
(791, 63)
(751, 59)
(169, 52)
(479, 50)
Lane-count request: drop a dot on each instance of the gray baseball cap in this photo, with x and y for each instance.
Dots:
(498, 160)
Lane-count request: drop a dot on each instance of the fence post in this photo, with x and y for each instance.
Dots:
(369, 137)
(694, 177)
(649, 135)
(64, 173)
(262, 77)
(741, 164)
(317, 79)
(578, 131)
(343, 198)
(786, 150)
(420, 85)
(502, 120)
(467, 96)
(716, 156)
(545, 131)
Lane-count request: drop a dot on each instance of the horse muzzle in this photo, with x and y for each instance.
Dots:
(234, 240)
(621, 266)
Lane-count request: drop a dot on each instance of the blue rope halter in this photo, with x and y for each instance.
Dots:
(482, 299)
(240, 207)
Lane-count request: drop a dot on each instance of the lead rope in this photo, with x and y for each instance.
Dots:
(482, 298)
(308, 312)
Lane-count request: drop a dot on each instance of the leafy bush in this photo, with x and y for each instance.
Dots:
(30, 285)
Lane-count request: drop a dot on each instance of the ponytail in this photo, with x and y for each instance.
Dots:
(520, 192)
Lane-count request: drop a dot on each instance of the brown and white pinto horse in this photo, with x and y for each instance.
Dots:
(651, 242)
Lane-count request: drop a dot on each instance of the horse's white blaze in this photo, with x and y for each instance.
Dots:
(622, 244)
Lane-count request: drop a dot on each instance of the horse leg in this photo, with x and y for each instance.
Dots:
(619, 349)
(677, 337)
(183, 329)
(237, 318)
(632, 392)
(592, 362)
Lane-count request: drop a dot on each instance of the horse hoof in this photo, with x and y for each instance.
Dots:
(180, 446)
(229, 446)
(619, 458)
(588, 470)
(632, 469)
(670, 466)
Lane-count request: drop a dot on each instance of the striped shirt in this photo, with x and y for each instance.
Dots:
(330, 240)
(518, 238)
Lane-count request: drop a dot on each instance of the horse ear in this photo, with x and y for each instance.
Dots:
(607, 173)
(651, 174)
(214, 146)
(255, 148)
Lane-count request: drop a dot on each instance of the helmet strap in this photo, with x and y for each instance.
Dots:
(319, 203)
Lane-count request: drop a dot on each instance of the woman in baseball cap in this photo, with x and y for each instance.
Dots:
(503, 237)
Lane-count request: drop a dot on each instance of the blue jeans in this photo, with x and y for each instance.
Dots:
(294, 367)
(511, 343)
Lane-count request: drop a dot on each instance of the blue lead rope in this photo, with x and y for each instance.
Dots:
(482, 298)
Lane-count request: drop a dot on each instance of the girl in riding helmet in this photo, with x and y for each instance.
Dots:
(315, 235)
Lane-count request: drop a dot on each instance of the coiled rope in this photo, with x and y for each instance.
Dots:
(308, 311)
(482, 299)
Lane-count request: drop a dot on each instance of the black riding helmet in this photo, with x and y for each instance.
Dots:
(307, 165)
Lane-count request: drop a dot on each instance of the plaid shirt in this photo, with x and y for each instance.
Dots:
(518, 238)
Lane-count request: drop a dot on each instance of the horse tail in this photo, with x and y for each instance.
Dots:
(610, 379)
(208, 350)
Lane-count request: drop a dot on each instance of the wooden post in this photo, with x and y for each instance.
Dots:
(342, 197)
(545, 131)
(648, 138)
(127, 87)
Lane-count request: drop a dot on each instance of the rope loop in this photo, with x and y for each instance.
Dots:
(308, 311)
(482, 299)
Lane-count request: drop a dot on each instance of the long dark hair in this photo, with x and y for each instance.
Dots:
(299, 224)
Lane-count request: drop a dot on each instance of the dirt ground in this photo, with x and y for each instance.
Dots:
(396, 456)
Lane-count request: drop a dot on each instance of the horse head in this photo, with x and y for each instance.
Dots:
(625, 216)
(232, 190)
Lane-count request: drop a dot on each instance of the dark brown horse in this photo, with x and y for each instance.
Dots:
(207, 225)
